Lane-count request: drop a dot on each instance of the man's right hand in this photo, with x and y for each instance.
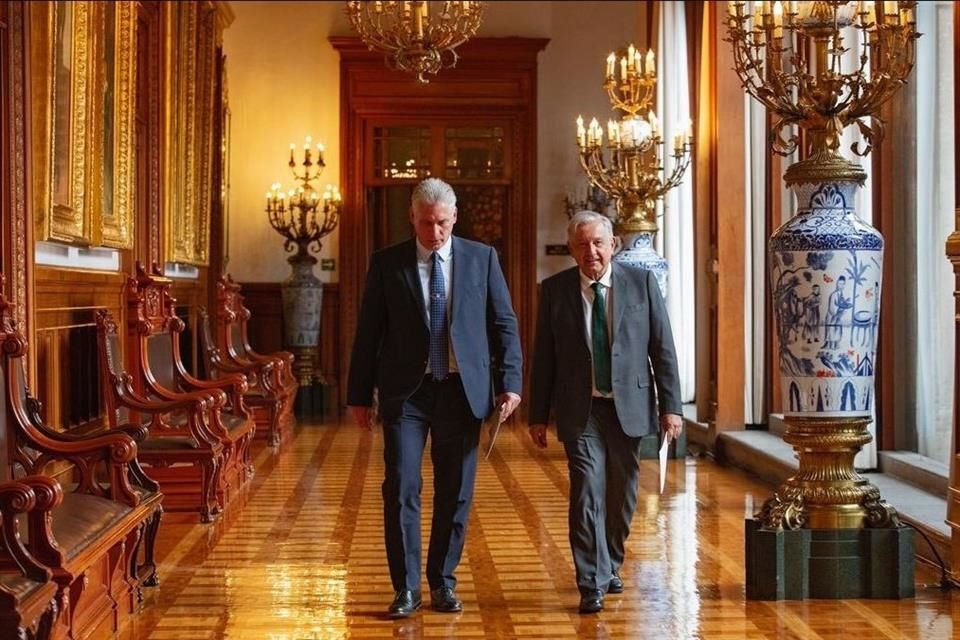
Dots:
(361, 415)
(538, 433)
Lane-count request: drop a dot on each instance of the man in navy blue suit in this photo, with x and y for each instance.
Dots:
(437, 337)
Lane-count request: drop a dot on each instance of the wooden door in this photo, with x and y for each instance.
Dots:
(473, 126)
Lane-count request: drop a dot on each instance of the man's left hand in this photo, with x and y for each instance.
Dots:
(508, 402)
(671, 425)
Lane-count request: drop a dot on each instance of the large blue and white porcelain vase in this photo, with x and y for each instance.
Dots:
(826, 269)
(637, 251)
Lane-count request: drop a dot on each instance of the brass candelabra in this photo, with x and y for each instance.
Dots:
(303, 216)
(634, 174)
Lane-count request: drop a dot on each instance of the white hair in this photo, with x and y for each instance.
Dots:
(434, 191)
(587, 217)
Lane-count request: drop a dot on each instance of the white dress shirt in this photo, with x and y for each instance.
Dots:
(586, 293)
(424, 266)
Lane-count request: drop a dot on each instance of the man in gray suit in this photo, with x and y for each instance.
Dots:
(603, 341)
(437, 337)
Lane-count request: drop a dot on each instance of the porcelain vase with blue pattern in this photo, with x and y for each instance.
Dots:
(637, 251)
(827, 265)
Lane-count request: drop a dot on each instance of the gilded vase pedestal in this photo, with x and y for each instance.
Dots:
(826, 532)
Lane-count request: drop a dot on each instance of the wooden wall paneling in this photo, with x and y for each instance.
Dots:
(495, 77)
(727, 206)
(65, 342)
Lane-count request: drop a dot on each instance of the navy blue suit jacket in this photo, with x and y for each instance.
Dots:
(391, 346)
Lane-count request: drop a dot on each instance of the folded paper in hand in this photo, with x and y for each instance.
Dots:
(489, 431)
(664, 450)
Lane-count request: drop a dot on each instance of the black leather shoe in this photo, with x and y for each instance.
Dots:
(405, 603)
(445, 600)
(591, 601)
(616, 584)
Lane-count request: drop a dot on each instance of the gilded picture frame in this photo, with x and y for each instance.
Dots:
(190, 51)
(82, 85)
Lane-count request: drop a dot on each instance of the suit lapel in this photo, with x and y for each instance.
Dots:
(411, 273)
(462, 267)
(620, 294)
(575, 301)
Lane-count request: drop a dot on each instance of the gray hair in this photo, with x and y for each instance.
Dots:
(587, 217)
(434, 191)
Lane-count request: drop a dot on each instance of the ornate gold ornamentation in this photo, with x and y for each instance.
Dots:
(188, 130)
(827, 492)
(414, 36)
(21, 257)
(118, 224)
(789, 57)
(634, 177)
(73, 168)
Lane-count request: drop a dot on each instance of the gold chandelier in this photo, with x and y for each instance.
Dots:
(634, 175)
(417, 37)
(789, 56)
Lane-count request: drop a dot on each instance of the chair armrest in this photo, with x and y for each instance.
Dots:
(42, 544)
(18, 497)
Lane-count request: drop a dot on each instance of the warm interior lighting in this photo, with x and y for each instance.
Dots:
(414, 36)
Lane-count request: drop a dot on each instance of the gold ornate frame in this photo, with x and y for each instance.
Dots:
(189, 146)
(70, 65)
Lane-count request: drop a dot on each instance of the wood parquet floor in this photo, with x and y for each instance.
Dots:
(299, 556)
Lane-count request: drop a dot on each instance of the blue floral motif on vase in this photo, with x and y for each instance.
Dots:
(637, 251)
(826, 268)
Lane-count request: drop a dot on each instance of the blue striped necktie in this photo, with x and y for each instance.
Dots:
(439, 351)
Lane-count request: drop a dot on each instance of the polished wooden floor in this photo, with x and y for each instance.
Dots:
(300, 557)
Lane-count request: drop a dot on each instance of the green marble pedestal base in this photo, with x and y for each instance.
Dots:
(828, 563)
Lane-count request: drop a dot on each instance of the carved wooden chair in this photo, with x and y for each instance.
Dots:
(183, 455)
(270, 395)
(87, 526)
(154, 356)
(235, 342)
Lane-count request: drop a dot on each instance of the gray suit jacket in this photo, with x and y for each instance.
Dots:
(391, 346)
(643, 354)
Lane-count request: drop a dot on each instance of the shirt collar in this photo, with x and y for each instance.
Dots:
(423, 254)
(606, 279)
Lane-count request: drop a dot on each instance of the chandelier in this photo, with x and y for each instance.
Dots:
(634, 174)
(417, 37)
(790, 57)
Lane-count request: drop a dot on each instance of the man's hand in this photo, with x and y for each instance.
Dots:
(508, 402)
(538, 433)
(361, 415)
(671, 425)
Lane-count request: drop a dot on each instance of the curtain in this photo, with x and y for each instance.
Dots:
(936, 369)
(675, 240)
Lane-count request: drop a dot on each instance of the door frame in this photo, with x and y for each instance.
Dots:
(495, 77)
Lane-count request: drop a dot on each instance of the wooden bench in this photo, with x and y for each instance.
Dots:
(153, 356)
(89, 525)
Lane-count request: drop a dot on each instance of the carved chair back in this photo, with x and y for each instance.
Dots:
(153, 329)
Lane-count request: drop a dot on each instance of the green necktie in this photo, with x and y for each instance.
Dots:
(601, 344)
